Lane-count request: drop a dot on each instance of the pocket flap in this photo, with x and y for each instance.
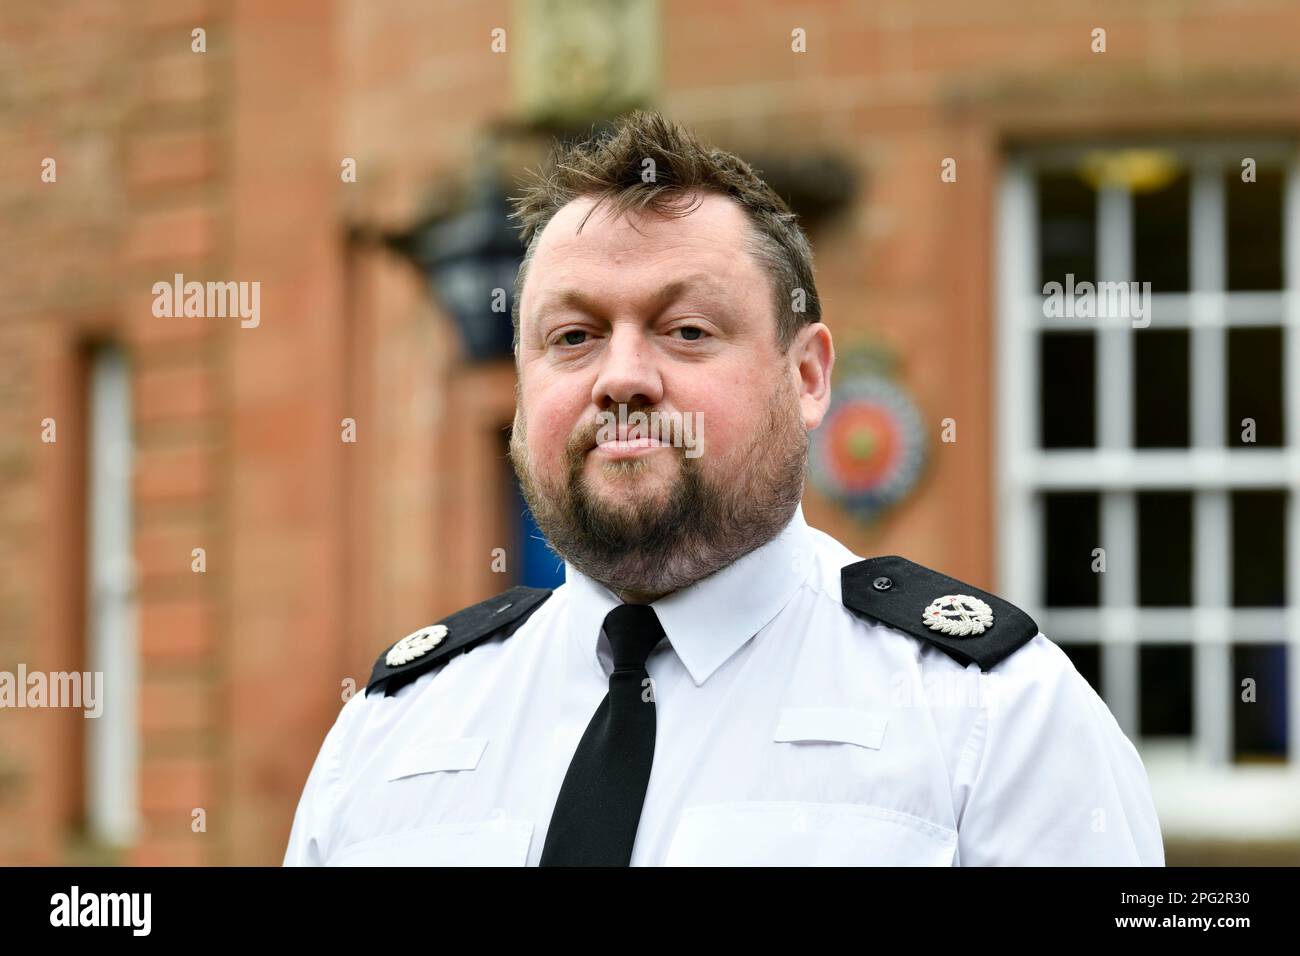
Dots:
(838, 724)
(452, 753)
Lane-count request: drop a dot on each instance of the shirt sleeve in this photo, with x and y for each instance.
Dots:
(309, 839)
(1047, 777)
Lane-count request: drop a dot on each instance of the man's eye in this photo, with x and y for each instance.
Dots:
(690, 333)
(573, 337)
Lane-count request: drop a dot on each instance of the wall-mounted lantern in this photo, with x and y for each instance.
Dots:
(469, 259)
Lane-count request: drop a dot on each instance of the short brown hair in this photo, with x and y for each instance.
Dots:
(610, 167)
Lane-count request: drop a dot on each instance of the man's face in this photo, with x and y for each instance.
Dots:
(675, 316)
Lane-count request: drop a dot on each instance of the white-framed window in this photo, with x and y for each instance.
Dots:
(112, 739)
(1149, 454)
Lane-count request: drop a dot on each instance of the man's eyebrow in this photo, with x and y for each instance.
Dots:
(668, 293)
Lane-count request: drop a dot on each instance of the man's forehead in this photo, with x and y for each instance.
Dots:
(708, 262)
(586, 223)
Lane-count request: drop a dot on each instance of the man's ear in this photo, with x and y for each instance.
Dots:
(812, 359)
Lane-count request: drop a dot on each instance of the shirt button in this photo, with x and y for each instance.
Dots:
(882, 584)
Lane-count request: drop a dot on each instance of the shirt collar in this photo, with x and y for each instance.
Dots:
(709, 621)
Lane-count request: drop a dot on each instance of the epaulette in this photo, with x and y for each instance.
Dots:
(964, 622)
(430, 646)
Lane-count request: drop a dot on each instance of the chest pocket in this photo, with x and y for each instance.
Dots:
(498, 842)
(795, 833)
(807, 832)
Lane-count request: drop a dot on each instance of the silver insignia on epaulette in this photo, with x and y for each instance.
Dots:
(958, 615)
(415, 645)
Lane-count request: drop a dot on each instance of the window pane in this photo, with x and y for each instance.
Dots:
(1160, 236)
(1086, 659)
(112, 743)
(1166, 690)
(1164, 548)
(1254, 386)
(1067, 228)
(1067, 404)
(1259, 725)
(1161, 393)
(1254, 231)
(1258, 548)
(1072, 527)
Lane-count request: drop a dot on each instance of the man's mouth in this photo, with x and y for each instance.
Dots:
(630, 441)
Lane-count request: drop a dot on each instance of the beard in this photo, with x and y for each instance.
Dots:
(649, 546)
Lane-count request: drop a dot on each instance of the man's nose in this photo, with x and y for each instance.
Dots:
(629, 372)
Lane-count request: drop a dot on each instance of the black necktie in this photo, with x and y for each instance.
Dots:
(596, 814)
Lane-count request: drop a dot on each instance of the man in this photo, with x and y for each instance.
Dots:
(715, 682)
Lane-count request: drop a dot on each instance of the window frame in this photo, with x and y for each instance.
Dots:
(1192, 788)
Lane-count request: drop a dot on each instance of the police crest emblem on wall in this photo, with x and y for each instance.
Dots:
(869, 452)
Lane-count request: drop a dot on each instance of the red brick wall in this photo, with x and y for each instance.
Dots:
(225, 166)
(130, 115)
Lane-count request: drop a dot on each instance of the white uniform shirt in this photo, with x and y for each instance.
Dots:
(790, 731)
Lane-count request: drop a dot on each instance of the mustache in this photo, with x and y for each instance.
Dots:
(584, 437)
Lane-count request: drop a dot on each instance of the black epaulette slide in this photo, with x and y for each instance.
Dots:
(430, 646)
(964, 622)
